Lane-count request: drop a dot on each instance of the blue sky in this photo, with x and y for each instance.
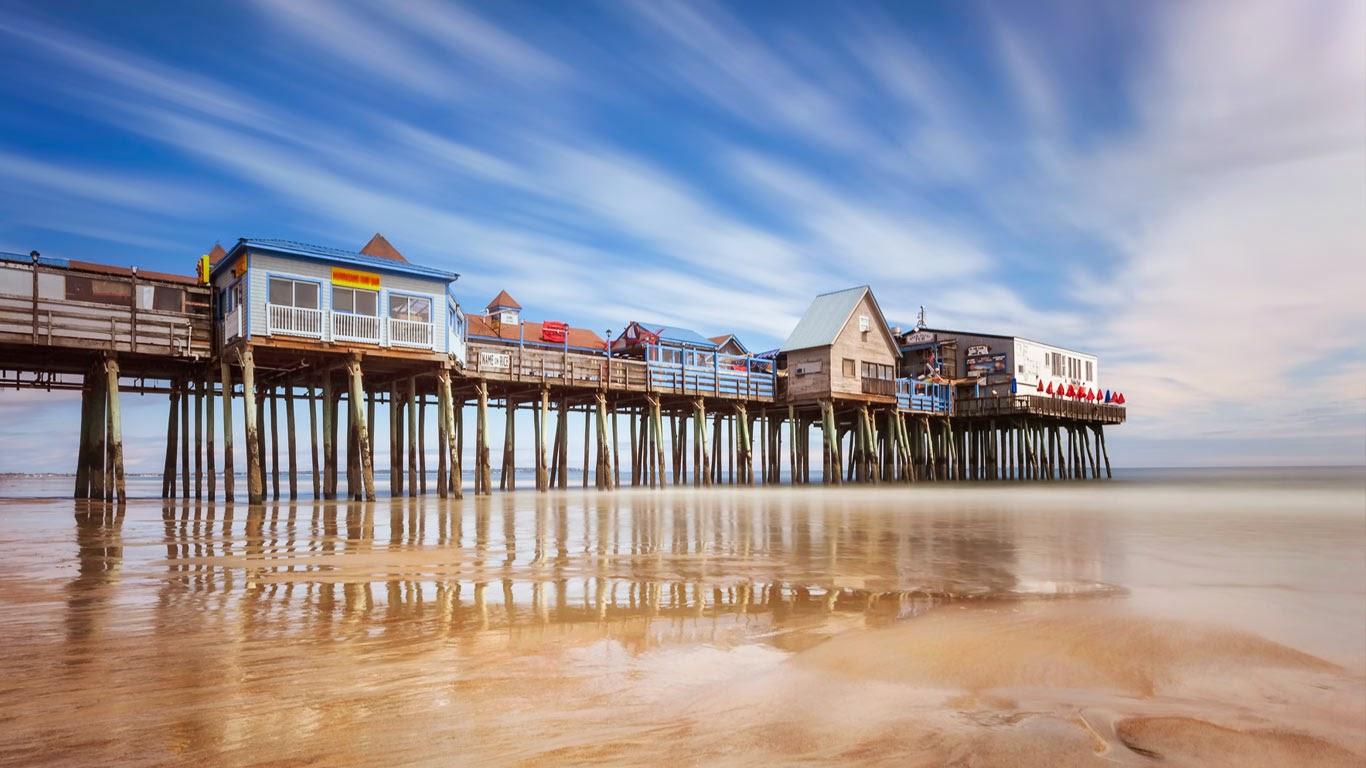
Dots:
(1177, 187)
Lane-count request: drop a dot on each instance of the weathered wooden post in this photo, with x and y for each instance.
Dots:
(616, 459)
(255, 484)
(111, 368)
(82, 489)
(412, 437)
(362, 430)
(225, 386)
(290, 442)
(587, 441)
(274, 444)
(261, 434)
(458, 459)
(198, 438)
(542, 414)
(603, 475)
(454, 483)
(443, 406)
(1100, 436)
(313, 439)
(395, 441)
(562, 435)
(184, 439)
(172, 433)
(483, 472)
(209, 428)
(506, 472)
(421, 441)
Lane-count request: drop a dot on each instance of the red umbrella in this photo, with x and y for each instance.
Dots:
(1071, 391)
(1040, 385)
(1119, 398)
(1090, 394)
(1046, 391)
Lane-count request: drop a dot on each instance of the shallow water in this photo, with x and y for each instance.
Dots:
(1173, 619)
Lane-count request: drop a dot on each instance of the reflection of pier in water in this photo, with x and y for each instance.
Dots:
(641, 567)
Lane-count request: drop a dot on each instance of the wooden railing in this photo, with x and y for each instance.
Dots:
(1035, 405)
(923, 396)
(89, 325)
(294, 321)
(885, 387)
(410, 333)
(561, 367)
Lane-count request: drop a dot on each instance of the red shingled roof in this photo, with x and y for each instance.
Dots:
(381, 249)
(478, 325)
(503, 299)
(216, 253)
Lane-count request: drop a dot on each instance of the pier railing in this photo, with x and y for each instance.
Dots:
(922, 396)
(561, 367)
(362, 328)
(1035, 405)
(93, 325)
(410, 333)
(295, 321)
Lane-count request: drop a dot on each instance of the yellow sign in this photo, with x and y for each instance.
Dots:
(354, 278)
(202, 269)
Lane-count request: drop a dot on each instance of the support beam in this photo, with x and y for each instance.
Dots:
(412, 437)
(172, 435)
(209, 428)
(483, 472)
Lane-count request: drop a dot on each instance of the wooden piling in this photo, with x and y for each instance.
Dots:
(255, 484)
(422, 444)
(83, 462)
(657, 436)
(506, 481)
(395, 441)
(209, 459)
(542, 414)
(274, 444)
(412, 437)
(198, 438)
(172, 435)
(483, 472)
(184, 438)
(111, 369)
(225, 390)
(362, 430)
(290, 442)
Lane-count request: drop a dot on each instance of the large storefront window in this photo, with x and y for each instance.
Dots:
(293, 293)
(355, 301)
(412, 308)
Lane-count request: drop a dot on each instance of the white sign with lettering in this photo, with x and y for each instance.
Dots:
(978, 349)
(494, 361)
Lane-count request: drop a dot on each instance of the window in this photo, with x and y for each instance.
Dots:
(168, 299)
(413, 308)
(849, 368)
(81, 288)
(864, 324)
(293, 293)
(1090, 370)
(877, 371)
(355, 301)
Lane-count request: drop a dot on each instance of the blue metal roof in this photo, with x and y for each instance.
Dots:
(678, 335)
(24, 258)
(336, 255)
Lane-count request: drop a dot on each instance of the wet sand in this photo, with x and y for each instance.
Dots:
(1174, 621)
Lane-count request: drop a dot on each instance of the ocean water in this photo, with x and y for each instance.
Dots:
(1201, 617)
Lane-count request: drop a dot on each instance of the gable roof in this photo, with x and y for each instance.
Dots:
(216, 253)
(674, 334)
(529, 333)
(720, 341)
(335, 255)
(827, 316)
(503, 300)
(381, 249)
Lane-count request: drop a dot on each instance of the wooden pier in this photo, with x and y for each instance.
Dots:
(691, 418)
